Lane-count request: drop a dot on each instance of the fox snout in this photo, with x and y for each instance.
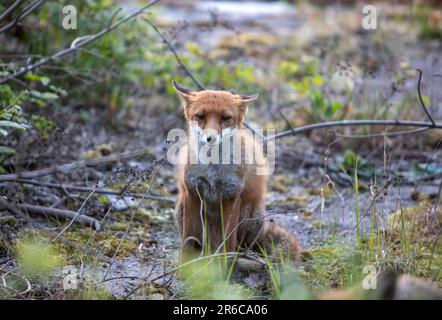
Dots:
(206, 136)
(211, 137)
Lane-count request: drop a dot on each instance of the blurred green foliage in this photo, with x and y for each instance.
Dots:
(304, 77)
(37, 257)
(129, 61)
(207, 279)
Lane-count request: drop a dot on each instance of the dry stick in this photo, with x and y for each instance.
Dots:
(70, 243)
(427, 125)
(381, 134)
(420, 97)
(27, 11)
(59, 213)
(77, 43)
(88, 189)
(64, 168)
(77, 215)
(14, 6)
(177, 57)
(347, 123)
(12, 208)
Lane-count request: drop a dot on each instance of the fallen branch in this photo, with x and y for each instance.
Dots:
(89, 189)
(58, 213)
(65, 168)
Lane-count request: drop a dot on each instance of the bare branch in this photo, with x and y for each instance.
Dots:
(8, 11)
(420, 97)
(64, 168)
(347, 123)
(59, 213)
(382, 134)
(27, 11)
(177, 57)
(89, 189)
(78, 43)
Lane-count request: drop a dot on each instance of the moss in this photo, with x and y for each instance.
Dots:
(335, 264)
(280, 182)
(106, 242)
(326, 191)
(37, 257)
(8, 220)
(317, 224)
(412, 222)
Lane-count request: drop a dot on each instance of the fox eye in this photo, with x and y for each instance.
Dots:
(226, 118)
(200, 116)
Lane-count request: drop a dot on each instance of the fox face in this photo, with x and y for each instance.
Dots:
(213, 114)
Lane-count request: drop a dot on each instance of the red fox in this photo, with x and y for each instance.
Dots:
(222, 205)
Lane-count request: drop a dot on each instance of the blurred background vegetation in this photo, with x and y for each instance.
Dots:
(311, 61)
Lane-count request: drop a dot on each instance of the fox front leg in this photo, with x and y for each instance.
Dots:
(179, 216)
(192, 231)
(231, 213)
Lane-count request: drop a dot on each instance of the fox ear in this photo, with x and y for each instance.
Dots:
(181, 90)
(250, 98)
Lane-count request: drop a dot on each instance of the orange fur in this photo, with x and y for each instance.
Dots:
(243, 214)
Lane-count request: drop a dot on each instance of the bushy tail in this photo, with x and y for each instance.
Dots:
(279, 244)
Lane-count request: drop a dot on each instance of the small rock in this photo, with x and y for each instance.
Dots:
(156, 296)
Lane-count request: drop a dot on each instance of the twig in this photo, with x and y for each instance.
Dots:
(14, 6)
(84, 40)
(59, 213)
(177, 57)
(11, 208)
(381, 134)
(64, 168)
(420, 97)
(27, 11)
(89, 189)
(286, 121)
(111, 21)
(347, 123)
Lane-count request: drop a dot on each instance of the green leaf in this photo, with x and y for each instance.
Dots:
(49, 96)
(34, 77)
(6, 123)
(6, 150)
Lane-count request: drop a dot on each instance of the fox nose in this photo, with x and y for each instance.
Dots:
(211, 138)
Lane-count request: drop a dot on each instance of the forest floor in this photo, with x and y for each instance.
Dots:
(311, 193)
